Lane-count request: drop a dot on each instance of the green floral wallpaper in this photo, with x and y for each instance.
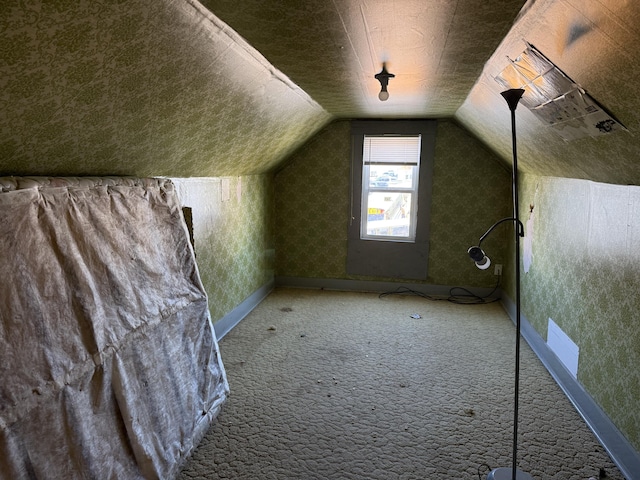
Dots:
(233, 239)
(470, 192)
(585, 275)
(140, 88)
(312, 207)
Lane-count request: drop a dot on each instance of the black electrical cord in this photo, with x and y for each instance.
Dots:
(471, 298)
(408, 291)
(468, 298)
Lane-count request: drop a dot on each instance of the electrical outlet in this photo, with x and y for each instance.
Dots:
(497, 270)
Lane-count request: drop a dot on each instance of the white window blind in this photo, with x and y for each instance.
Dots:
(385, 149)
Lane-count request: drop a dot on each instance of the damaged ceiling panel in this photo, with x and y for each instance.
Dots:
(555, 99)
(591, 44)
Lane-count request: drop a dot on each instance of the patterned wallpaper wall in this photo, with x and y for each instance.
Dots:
(312, 207)
(232, 226)
(140, 88)
(585, 276)
(585, 273)
(471, 190)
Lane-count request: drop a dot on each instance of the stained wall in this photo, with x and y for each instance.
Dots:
(585, 276)
(233, 237)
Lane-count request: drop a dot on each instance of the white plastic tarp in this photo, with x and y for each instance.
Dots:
(109, 367)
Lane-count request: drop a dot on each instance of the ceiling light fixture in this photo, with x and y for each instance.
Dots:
(383, 77)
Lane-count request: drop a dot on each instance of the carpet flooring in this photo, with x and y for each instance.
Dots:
(342, 385)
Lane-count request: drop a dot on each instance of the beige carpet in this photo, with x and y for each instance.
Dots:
(336, 385)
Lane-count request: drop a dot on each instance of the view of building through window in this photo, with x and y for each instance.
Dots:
(389, 190)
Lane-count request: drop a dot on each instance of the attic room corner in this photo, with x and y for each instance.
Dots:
(170, 167)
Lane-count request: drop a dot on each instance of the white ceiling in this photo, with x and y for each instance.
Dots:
(332, 49)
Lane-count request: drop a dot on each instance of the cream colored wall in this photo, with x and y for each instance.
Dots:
(470, 191)
(585, 276)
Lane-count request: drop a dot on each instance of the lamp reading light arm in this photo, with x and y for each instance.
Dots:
(519, 224)
(477, 254)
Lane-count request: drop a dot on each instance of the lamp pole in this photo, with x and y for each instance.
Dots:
(513, 97)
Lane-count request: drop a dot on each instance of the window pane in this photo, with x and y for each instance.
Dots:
(388, 214)
(389, 187)
(391, 176)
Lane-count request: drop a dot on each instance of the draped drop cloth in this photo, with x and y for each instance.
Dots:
(109, 366)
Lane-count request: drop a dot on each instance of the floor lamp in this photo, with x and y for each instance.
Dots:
(476, 253)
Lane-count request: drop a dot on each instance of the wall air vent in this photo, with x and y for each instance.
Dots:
(556, 99)
(564, 348)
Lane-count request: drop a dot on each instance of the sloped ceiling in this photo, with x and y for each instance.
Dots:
(595, 43)
(140, 87)
(179, 88)
(435, 48)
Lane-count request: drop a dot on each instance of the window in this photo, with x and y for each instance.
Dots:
(390, 166)
(390, 197)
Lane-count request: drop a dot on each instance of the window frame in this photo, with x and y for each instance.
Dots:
(390, 257)
(412, 190)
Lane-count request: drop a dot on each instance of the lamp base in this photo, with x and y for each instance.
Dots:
(504, 473)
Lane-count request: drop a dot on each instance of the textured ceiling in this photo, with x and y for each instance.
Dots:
(595, 43)
(180, 88)
(332, 49)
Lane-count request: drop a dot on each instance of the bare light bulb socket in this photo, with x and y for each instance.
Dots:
(383, 77)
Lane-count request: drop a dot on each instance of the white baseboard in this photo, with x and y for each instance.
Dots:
(231, 319)
(615, 443)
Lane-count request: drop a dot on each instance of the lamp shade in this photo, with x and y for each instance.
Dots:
(479, 257)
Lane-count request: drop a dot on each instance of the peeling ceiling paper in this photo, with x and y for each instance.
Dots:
(556, 99)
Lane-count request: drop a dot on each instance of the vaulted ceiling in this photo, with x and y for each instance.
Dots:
(181, 88)
(332, 49)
